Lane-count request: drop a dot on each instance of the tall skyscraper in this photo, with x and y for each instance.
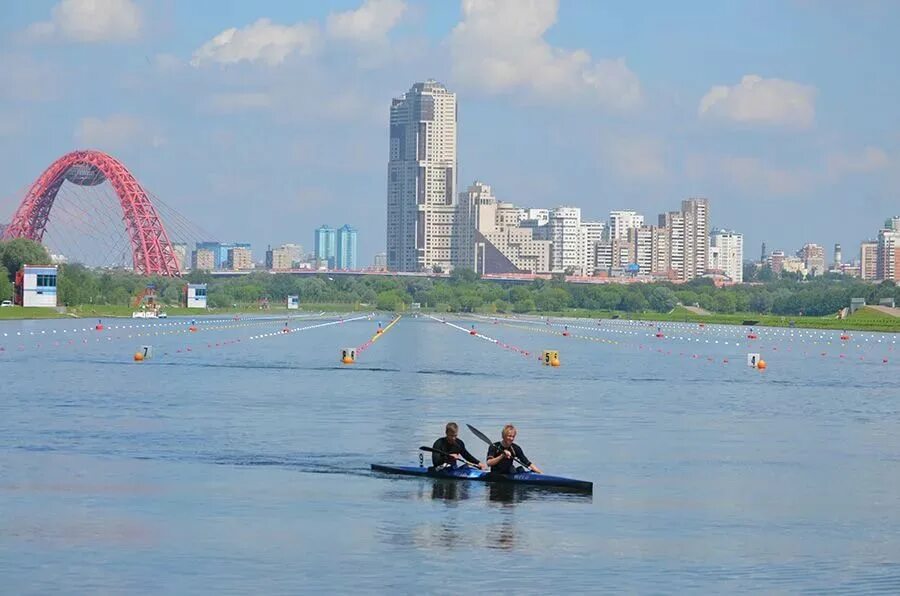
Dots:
(838, 258)
(726, 254)
(622, 221)
(673, 223)
(567, 250)
(887, 256)
(696, 237)
(325, 248)
(593, 234)
(346, 247)
(421, 218)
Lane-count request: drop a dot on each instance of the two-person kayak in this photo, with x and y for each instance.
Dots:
(473, 474)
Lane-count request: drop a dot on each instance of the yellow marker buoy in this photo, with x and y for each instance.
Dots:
(554, 362)
(549, 356)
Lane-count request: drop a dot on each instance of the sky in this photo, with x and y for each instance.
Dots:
(260, 121)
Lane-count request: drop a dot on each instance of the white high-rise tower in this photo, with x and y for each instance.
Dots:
(421, 196)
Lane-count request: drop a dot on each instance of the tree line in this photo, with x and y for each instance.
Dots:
(463, 291)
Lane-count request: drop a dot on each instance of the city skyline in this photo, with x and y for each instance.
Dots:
(632, 122)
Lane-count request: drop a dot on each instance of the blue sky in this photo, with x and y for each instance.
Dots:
(783, 113)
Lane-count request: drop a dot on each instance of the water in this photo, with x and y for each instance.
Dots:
(243, 467)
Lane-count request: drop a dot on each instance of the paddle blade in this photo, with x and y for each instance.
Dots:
(480, 434)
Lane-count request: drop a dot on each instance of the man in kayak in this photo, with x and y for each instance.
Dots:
(501, 455)
(452, 445)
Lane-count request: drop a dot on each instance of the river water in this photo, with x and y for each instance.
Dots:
(236, 459)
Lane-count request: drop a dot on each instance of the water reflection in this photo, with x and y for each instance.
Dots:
(450, 490)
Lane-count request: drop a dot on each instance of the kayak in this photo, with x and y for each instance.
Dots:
(466, 473)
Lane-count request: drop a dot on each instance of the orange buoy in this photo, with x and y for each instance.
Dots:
(192, 329)
(761, 365)
(845, 337)
(138, 357)
(473, 332)
(554, 362)
(347, 360)
(99, 326)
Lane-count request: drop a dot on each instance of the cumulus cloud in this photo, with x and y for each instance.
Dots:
(263, 41)
(271, 44)
(370, 22)
(90, 21)
(115, 132)
(756, 100)
(499, 46)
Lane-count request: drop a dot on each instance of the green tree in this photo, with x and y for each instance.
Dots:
(6, 286)
(662, 299)
(633, 301)
(21, 251)
(390, 300)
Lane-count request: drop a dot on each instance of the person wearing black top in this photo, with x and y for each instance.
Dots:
(453, 445)
(502, 455)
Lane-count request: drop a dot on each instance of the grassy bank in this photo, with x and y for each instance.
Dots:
(865, 319)
(92, 311)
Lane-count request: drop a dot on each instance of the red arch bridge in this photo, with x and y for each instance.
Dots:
(151, 249)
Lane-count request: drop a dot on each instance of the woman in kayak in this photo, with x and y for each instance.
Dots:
(454, 449)
(502, 455)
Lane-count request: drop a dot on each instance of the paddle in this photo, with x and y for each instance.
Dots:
(439, 452)
(487, 440)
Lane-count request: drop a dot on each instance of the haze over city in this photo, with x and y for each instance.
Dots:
(260, 122)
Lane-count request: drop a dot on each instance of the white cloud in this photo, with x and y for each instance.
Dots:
(868, 160)
(370, 22)
(756, 100)
(499, 47)
(640, 158)
(227, 103)
(115, 132)
(90, 21)
(263, 41)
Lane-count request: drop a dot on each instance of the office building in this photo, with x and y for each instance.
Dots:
(422, 182)
(380, 261)
(501, 243)
(673, 223)
(868, 260)
(239, 259)
(346, 248)
(279, 259)
(726, 254)
(813, 257)
(220, 251)
(622, 221)
(567, 250)
(887, 256)
(325, 246)
(696, 237)
(592, 232)
(203, 259)
(181, 255)
(838, 258)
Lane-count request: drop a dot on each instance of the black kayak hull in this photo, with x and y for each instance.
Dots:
(523, 478)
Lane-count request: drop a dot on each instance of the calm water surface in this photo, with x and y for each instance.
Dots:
(233, 463)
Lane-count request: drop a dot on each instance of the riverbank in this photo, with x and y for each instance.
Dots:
(865, 319)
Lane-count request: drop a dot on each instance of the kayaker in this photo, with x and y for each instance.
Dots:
(500, 455)
(452, 444)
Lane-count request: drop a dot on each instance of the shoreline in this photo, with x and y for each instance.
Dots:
(866, 319)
